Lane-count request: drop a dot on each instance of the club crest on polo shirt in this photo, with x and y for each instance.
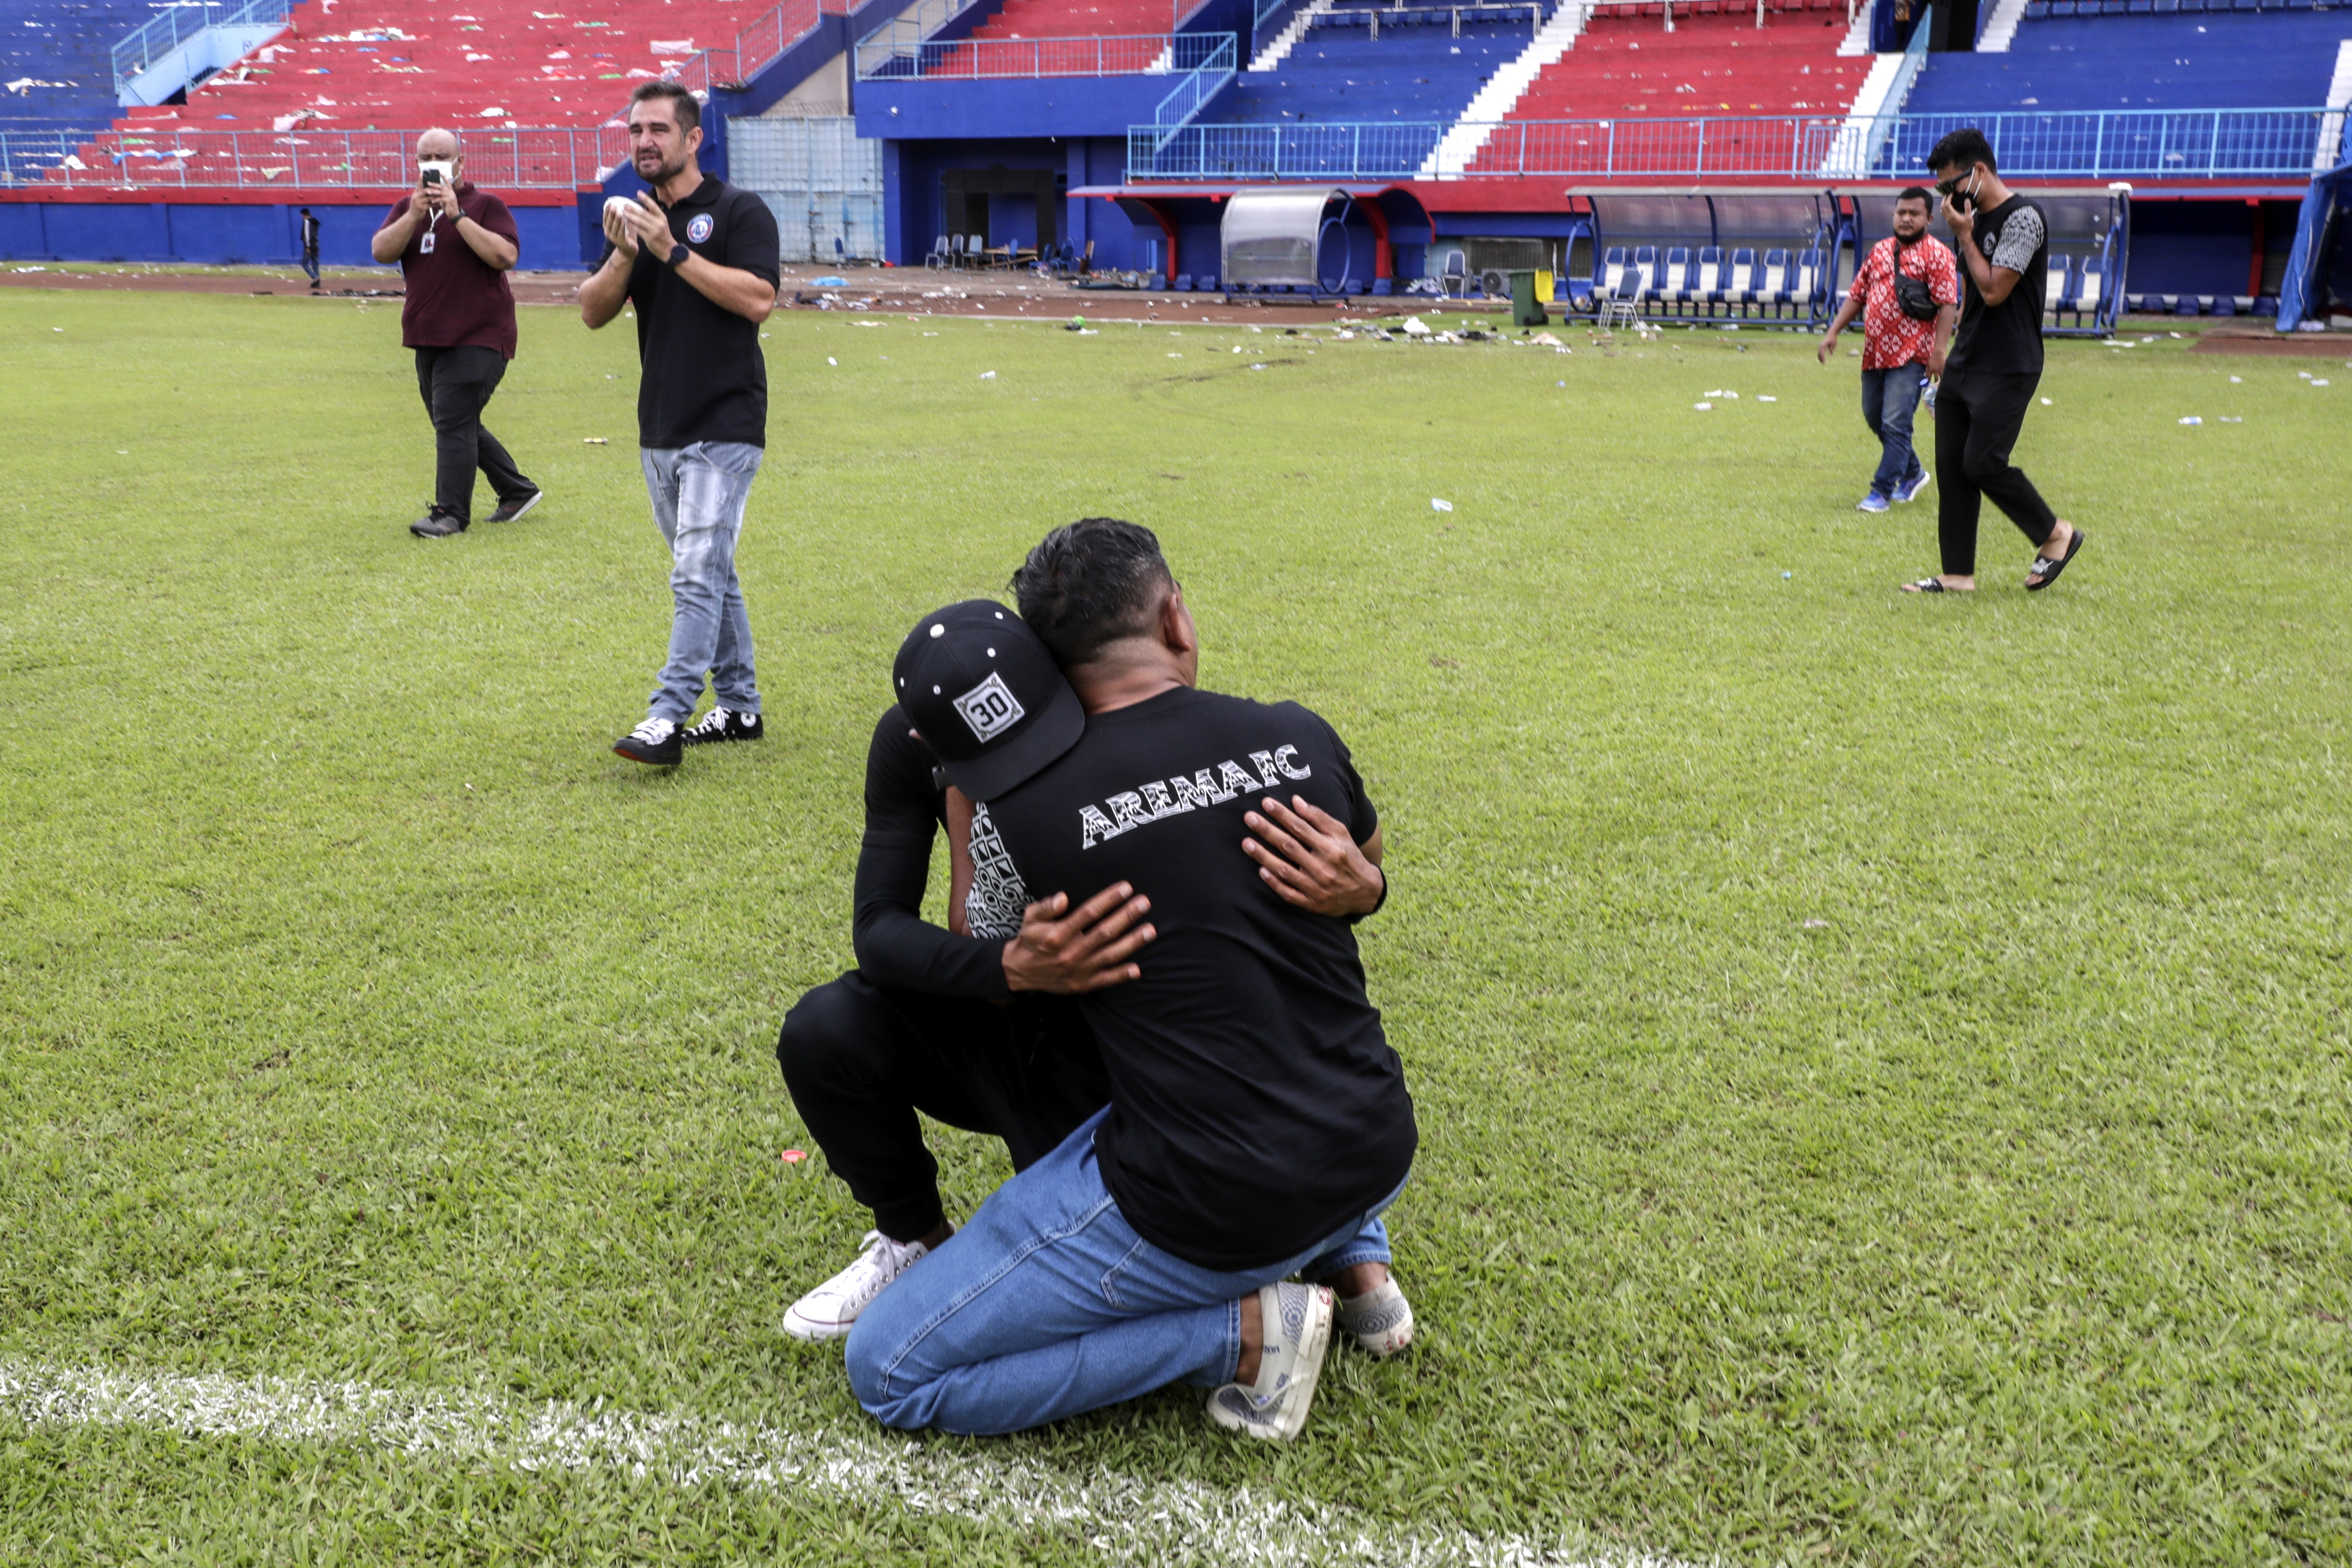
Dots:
(990, 708)
(1175, 795)
(699, 227)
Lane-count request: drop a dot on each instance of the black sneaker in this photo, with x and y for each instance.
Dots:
(721, 724)
(510, 510)
(437, 524)
(657, 743)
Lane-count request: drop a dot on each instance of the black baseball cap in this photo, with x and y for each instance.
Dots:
(986, 696)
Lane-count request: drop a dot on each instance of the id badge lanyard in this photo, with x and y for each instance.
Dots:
(424, 241)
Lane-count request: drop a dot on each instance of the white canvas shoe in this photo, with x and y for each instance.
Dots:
(827, 1312)
(1297, 1333)
(1380, 1321)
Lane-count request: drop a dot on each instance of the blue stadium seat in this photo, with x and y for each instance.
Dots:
(2191, 60)
(1184, 284)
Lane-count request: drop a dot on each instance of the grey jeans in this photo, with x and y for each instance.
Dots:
(698, 493)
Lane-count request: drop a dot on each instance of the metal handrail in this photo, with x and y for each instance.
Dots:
(175, 25)
(967, 59)
(2095, 144)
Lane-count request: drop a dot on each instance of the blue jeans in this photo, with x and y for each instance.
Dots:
(1888, 400)
(698, 493)
(1048, 1303)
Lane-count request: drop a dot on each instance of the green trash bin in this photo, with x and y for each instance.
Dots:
(1526, 310)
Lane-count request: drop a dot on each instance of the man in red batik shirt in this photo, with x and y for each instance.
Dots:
(1907, 294)
(456, 242)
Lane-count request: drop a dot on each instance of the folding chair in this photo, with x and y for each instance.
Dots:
(1455, 279)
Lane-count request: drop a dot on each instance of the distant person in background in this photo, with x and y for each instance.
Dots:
(455, 243)
(700, 259)
(1907, 292)
(310, 248)
(1993, 368)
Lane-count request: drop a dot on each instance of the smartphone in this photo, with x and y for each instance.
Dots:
(436, 173)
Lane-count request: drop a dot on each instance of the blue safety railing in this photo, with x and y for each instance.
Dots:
(187, 157)
(175, 25)
(2275, 143)
(886, 54)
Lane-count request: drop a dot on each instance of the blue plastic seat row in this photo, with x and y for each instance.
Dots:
(1706, 280)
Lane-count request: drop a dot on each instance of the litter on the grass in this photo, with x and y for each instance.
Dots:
(831, 360)
(595, 441)
(2192, 419)
(1437, 506)
(2231, 419)
(2235, 380)
(2046, 402)
(793, 1156)
(1702, 407)
(2320, 382)
(988, 375)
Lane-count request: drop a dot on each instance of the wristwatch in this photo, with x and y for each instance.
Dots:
(678, 252)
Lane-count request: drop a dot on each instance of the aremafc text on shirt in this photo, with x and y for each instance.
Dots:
(1148, 803)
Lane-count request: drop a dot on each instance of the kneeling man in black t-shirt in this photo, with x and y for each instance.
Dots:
(1259, 1122)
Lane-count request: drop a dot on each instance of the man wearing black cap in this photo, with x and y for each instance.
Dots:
(974, 1024)
(1258, 1122)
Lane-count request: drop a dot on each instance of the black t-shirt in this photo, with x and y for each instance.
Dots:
(2004, 339)
(896, 945)
(703, 377)
(1255, 1104)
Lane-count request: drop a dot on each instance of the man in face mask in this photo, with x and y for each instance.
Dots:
(1908, 293)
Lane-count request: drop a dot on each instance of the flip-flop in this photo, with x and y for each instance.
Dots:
(2044, 571)
(1928, 585)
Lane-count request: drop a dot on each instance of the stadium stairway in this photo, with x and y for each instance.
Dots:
(1716, 61)
(2187, 60)
(1414, 69)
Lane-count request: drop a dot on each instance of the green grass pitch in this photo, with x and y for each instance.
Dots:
(1882, 1062)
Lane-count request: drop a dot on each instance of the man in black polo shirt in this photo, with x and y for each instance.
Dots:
(1259, 1122)
(1992, 368)
(455, 243)
(699, 260)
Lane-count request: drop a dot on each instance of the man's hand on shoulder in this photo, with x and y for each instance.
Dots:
(1309, 859)
(1072, 951)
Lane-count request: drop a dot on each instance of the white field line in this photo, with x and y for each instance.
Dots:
(1124, 1518)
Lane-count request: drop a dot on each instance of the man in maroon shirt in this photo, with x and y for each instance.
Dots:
(456, 242)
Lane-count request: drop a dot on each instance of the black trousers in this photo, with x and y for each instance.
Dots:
(456, 384)
(861, 1058)
(1978, 419)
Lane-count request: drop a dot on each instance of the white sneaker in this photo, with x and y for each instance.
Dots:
(1380, 1321)
(1297, 1331)
(827, 1312)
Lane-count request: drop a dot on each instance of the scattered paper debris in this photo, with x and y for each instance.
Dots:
(988, 375)
(1766, 397)
(1437, 506)
(2234, 381)
(1816, 925)
(2320, 382)
(2230, 419)
(2046, 402)
(1702, 407)
(595, 441)
(2192, 419)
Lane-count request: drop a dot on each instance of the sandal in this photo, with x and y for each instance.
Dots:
(1928, 585)
(2044, 571)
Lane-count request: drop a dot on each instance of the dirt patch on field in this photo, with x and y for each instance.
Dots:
(2276, 345)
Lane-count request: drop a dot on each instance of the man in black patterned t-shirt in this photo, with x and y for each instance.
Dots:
(1994, 366)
